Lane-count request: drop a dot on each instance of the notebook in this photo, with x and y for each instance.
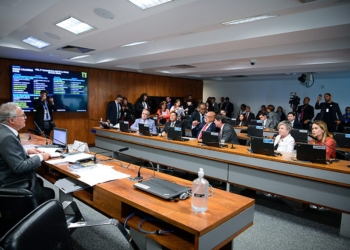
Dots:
(161, 188)
(312, 153)
(59, 139)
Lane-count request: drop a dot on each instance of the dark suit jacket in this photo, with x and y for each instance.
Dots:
(111, 112)
(40, 111)
(229, 134)
(167, 126)
(335, 110)
(195, 116)
(15, 165)
(308, 112)
(138, 108)
(228, 107)
(196, 130)
(251, 116)
(297, 125)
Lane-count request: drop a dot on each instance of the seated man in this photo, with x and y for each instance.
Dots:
(227, 133)
(291, 119)
(173, 122)
(197, 118)
(15, 164)
(266, 123)
(208, 125)
(144, 120)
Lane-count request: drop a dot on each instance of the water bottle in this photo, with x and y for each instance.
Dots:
(200, 193)
(100, 123)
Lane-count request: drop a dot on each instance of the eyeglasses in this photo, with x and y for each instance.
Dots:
(144, 114)
(23, 115)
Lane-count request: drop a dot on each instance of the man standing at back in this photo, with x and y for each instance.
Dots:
(306, 113)
(15, 164)
(330, 112)
(44, 107)
(114, 110)
(228, 107)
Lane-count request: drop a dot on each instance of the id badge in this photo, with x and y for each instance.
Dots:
(327, 110)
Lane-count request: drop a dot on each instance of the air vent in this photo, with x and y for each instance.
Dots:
(75, 49)
(182, 66)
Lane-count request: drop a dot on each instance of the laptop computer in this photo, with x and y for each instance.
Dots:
(59, 139)
(162, 188)
(233, 122)
(124, 126)
(312, 153)
(342, 139)
(255, 131)
(300, 135)
(259, 145)
(145, 130)
(175, 134)
(211, 139)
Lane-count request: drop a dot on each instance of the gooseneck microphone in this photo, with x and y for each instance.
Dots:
(41, 132)
(145, 164)
(324, 144)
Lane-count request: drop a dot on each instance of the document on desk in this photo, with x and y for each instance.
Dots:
(69, 185)
(72, 158)
(100, 174)
(51, 151)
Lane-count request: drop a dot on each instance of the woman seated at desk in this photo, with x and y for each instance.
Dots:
(241, 122)
(320, 132)
(284, 142)
(163, 113)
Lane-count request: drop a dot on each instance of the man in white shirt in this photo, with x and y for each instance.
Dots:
(144, 120)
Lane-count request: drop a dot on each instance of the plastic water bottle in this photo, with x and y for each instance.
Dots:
(200, 193)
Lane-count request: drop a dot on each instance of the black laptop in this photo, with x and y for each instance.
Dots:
(211, 139)
(144, 129)
(311, 152)
(175, 134)
(255, 122)
(59, 139)
(233, 122)
(124, 126)
(255, 131)
(300, 135)
(259, 145)
(162, 188)
(342, 139)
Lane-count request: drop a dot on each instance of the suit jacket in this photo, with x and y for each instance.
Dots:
(297, 125)
(335, 110)
(195, 116)
(273, 116)
(15, 164)
(269, 124)
(228, 134)
(216, 108)
(308, 112)
(152, 125)
(167, 125)
(112, 113)
(139, 107)
(129, 114)
(40, 111)
(228, 107)
(251, 116)
(198, 129)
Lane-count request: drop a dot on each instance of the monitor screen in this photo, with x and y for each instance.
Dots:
(342, 139)
(69, 89)
(300, 135)
(60, 136)
(255, 131)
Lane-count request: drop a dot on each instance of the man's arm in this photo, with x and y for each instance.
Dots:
(135, 126)
(153, 127)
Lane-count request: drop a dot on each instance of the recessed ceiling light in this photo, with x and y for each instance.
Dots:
(36, 42)
(74, 25)
(249, 19)
(78, 57)
(135, 43)
(145, 4)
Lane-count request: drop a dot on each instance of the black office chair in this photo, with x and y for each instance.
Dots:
(43, 228)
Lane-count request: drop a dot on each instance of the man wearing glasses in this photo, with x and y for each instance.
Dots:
(144, 120)
(15, 163)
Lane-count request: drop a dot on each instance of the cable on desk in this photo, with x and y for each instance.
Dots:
(158, 232)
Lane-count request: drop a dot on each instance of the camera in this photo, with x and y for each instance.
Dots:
(294, 101)
(252, 62)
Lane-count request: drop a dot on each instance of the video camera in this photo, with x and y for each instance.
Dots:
(294, 101)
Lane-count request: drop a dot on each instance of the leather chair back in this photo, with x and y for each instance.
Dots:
(44, 228)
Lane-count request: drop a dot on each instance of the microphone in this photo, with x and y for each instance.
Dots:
(41, 132)
(324, 144)
(145, 164)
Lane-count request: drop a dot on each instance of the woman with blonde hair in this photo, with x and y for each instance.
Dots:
(320, 132)
(284, 142)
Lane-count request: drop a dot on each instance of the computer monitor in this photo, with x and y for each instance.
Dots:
(342, 139)
(255, 122)
(300, 135)
(175, 133)
(255, 131)
(124, 126)
(346, 130)
(233, 122)
(259, 145)
(212, 139)
(144, 129)
(311, 152)
(60, 137)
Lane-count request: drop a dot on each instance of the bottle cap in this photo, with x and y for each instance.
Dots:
(200, 172)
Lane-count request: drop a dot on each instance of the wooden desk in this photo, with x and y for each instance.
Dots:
(320, 184)
(228, 214)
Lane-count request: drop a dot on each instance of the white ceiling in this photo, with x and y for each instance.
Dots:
(305, 37)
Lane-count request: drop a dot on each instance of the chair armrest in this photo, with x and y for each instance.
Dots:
(21, 184)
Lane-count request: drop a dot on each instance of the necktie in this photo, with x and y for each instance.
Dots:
(203, 129)
(144, 105)
(172, 124)
(246, 116)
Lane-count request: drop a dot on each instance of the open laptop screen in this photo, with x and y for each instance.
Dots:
(144, 129)
(60, 136)
(312, 153)
(262, 146)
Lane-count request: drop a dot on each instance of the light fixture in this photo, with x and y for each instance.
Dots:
(36, 42)
(249, 19)
(74, 25)
(134, 44)
(145, 4)
(78, 57)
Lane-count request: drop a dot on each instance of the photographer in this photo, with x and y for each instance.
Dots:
(44, 107)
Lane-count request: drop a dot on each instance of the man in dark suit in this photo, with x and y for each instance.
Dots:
(291, 119)
(15, 164)
(114, 110)
(227, 133)
(306, 113)
(248, 115)
(173, 122)
(196, 118)
(228, 107)
(44, 106)
(208, 125)
(266, 123)
(330, 112)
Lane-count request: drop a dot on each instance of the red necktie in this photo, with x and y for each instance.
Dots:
(203, 129)
(246, 116)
